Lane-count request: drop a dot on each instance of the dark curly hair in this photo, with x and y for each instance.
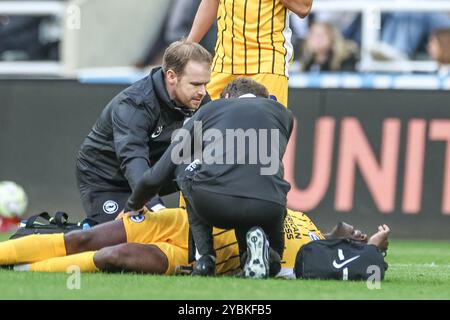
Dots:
(244, 85)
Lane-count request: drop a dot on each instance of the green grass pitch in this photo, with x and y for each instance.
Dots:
(417, 270)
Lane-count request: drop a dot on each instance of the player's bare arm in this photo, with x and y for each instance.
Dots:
(206, 14)
(300, 7)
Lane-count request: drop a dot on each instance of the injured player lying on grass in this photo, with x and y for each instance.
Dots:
(157, 243)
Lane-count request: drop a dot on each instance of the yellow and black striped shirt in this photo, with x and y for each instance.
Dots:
(253, 37)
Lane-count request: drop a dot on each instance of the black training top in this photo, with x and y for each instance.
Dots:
(219, 166)
(130, 135)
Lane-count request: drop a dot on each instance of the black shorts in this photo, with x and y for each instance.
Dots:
(102, 206)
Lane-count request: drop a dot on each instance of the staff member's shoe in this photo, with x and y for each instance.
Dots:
(257, 262)
(205, 266)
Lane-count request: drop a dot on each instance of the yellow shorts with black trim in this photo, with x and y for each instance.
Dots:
(276, 84)
(167, 229)
(227, 252)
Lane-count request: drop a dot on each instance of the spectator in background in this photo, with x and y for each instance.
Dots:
(439, 50)
(408, 32)
(403, 35)
(176, 26)
(339, 19)
(326, 50)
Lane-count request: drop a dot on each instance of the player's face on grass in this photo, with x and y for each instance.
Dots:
(190, 87)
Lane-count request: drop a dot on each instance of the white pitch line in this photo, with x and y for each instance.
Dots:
(422, 265)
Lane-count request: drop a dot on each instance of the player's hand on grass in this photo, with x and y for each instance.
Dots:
(380, 238)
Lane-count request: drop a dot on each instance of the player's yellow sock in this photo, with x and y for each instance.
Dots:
(84, 261)
(32, 248)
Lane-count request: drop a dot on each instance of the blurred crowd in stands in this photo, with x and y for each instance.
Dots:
(324, 41)
(403, 36)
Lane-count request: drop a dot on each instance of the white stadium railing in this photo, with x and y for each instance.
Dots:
(370, 11)
(34, 8)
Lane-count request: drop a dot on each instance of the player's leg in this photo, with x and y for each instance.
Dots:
(276, 84)
(41, 247)
(218, 82)
(149, 250)
(169, 225)
(100, 236)
(133, 257)
(156, 258)
(84, 262)
(32, 248)
(146, 228)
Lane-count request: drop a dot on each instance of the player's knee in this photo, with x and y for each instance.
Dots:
(78, 241)
(121, 258)
(160, 261)
(109, 259)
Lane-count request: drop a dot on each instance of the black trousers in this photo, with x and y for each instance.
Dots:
(208, 209)
(103, 205)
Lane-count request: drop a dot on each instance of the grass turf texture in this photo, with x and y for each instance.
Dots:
(417, 270)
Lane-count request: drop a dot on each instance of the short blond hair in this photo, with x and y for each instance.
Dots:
(179, 53)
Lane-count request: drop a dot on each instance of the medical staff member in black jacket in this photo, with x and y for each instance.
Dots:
(135, 129)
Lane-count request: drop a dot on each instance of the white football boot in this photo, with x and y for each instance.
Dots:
(257, 263)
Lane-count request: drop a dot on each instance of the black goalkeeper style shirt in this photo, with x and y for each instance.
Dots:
(224, 165)
(131, 134)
